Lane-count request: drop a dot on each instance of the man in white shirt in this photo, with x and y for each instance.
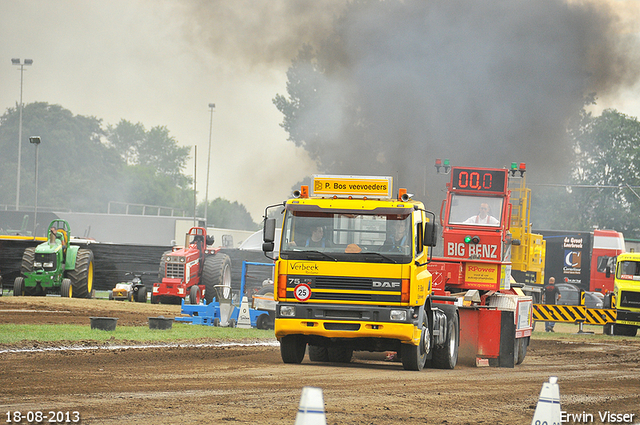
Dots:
(483, 217)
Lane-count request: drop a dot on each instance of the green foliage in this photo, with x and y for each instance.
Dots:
(82, 166)
(227, 215)
(603, 187)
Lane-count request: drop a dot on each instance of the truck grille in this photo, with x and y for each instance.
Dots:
(340, 288)
(175, 271)
(630, 299)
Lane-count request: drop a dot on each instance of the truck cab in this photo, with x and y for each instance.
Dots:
(351, 275)
(626, 295)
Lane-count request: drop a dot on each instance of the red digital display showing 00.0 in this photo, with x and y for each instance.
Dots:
(478, 180)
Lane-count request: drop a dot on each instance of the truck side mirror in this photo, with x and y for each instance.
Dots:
(608, 271)
(430, 234)
(269, 234)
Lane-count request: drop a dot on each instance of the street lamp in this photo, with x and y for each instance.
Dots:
(16, 61)
(206, 195)
(36, 141)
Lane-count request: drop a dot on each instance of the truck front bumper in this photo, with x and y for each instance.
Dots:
(626, 317)
(349, 322)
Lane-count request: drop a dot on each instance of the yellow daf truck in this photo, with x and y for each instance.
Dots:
(626, 295)
(351, 275)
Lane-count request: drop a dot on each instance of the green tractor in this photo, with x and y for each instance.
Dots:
(56, 267)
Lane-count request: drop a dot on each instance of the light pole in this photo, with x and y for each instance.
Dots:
(16, 61)
(36, 141)
(206, 194)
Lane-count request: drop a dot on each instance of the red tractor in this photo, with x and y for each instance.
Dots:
(194, 271)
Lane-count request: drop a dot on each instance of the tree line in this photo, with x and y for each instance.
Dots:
(84, 165)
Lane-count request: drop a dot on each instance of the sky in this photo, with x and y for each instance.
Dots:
(161, 63)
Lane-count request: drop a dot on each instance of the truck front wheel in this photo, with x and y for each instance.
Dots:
(414, 356)
(292, 348)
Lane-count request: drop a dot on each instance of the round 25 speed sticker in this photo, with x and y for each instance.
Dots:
(302, 292)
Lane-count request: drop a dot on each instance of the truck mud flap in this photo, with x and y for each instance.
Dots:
(487, 337)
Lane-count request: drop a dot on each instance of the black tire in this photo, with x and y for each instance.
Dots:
(625, 330)
(194, 295)
(267, 289)
(264, 321)
(28, 257)
(318, 353)
(154, 299)
(66, 291)
(217, 271)
(18, 287)
(292, 349)
(520, 351)
(340, 354)
(26, 267)
(141, 296)
(446, 355)
(82, 276)
(414, 356)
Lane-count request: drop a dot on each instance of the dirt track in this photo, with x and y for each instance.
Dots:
(250, 384)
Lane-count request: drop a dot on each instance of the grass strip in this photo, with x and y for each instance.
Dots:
(12, 333)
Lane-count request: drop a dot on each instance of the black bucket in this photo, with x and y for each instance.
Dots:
(160, 322)
(104, 323)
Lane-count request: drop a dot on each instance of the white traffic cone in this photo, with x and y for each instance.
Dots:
(244, 318)
(311, 409)
(548, 408)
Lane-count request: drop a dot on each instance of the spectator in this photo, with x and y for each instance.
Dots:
(551, 296)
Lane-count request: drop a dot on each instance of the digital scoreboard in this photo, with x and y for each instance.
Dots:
(478, 180)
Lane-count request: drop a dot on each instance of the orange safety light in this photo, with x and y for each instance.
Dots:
(401, 192)
(282, 286)
(304, 191)
(404, 294)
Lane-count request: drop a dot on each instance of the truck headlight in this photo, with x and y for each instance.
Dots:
(398, 315)
(287, 310)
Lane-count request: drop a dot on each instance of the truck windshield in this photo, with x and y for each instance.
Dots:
(628, 270)
(347, 236)
(475, 210)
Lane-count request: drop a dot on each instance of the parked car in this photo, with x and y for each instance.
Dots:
(570, 295)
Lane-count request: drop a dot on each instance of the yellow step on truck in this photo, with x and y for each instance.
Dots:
(626, 296)
(351, 275)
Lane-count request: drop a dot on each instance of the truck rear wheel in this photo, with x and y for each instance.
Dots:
(446, 355)
(339, 354)
(318, 354)
(292, 348)
(414, 356)
(217, 271)
(82, 276)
